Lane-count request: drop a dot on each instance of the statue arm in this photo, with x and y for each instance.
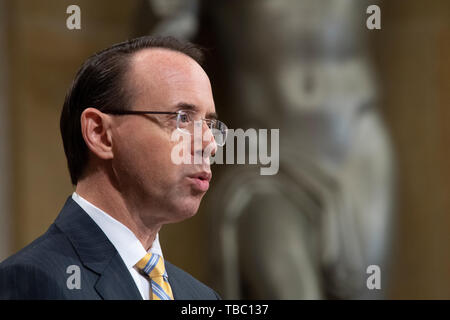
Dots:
(276, 251)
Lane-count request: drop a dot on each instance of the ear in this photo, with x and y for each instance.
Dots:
(96, 131)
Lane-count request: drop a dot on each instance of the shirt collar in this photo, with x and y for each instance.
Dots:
(122, 238)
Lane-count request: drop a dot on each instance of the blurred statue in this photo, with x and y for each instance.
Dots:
(177, 18)
(311, 231)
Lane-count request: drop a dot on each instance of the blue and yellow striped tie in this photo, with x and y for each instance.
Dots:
(153, 266)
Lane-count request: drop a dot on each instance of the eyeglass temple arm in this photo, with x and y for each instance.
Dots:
(137, 112)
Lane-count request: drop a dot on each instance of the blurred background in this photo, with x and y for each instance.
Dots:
(364, 176)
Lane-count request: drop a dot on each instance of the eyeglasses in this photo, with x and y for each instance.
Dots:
(185, 123)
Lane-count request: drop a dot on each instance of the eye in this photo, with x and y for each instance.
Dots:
(184, 117)
(187, 115)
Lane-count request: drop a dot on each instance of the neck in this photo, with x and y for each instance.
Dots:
(98, 190)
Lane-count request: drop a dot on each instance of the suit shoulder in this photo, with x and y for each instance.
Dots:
(37, 269)
(188, 286)
(51, 251)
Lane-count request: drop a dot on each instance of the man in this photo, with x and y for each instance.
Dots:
(117, 125)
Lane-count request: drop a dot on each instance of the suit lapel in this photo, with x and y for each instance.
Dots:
(116, 283)
(179, 290)
(97, 253)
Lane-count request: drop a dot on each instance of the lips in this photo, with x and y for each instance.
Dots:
(200, 180)
(202, 176)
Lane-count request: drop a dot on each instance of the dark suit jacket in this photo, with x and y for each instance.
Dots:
(40, 270)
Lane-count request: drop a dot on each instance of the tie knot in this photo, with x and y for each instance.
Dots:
(152, 265)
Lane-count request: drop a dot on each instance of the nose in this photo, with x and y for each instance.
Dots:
(204, 143)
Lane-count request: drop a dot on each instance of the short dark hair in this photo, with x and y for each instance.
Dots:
(101, 83)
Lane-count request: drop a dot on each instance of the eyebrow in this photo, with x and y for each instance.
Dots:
(192, 107)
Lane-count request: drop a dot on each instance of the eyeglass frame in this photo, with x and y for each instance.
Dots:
(143, 112)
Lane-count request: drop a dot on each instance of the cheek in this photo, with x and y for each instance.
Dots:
(151, 158)
(144, 159)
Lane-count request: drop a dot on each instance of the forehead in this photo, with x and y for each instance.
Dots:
(164, 78)
(162, 60)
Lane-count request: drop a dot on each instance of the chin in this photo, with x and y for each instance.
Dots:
(185, 210)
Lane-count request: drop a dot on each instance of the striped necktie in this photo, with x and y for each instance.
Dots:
(153, 266)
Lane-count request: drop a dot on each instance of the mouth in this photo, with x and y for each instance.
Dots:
(200, 180)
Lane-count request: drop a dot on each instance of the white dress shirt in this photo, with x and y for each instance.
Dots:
(129, 247)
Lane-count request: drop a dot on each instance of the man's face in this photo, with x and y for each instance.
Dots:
(160, 80)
